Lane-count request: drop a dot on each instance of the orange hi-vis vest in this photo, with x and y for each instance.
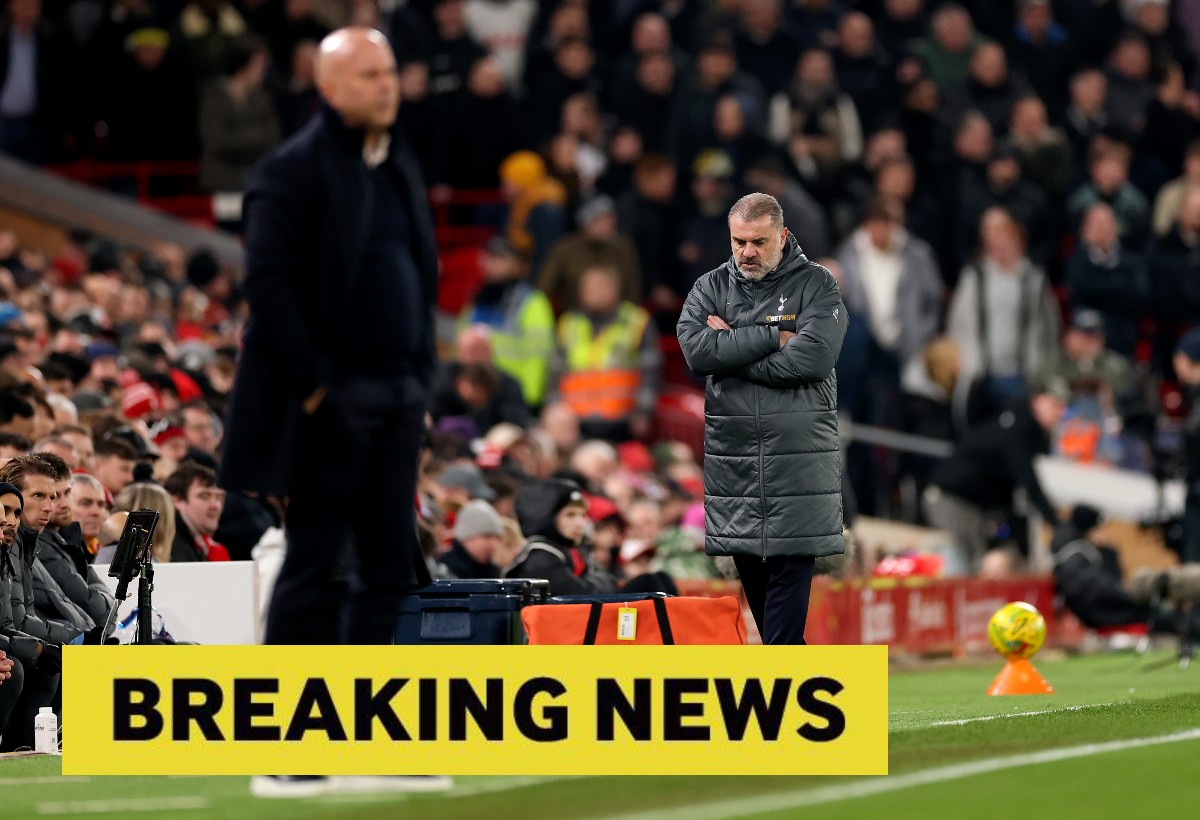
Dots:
(602, 376)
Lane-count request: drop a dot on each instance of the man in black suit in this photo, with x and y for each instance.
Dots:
(328, 408)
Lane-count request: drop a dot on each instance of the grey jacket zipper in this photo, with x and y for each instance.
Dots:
(762, 477)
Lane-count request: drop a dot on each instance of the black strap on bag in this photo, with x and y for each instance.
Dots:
(664, 621)
(660, 611)
(593, 624)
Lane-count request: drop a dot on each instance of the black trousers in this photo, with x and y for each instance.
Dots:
(10, 693)
(38, 689)
(353, 488)
(777, 591)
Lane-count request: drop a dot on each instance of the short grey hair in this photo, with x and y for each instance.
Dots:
(755, 206)
(90, 480)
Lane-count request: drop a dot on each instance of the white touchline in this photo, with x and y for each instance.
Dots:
(466, 790)
(743, 807)
(514, 782)
(108, 806)
(1019, 714)
(33, 781)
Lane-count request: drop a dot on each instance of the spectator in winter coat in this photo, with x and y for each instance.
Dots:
(553, 515)
(1044, 153)
(1046, 51)
(1104, 275)
(948, 50)
(816, 122)
(464, 155)
(1108, 181)
(238, 123)
(596, 243)
(1002, 316)
(535, 205)
(478, 533)
(891, 283)
(650, 216)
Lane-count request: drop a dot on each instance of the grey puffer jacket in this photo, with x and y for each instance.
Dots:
(24, 613)
(772, 466)
(86, 590)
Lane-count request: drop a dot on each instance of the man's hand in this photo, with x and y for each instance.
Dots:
(717, 323)
(5, 667)
(785, 336)
(313, 402)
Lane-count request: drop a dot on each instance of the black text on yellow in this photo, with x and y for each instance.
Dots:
(677, 709)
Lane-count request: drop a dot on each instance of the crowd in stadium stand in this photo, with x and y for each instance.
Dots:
(1008, 194)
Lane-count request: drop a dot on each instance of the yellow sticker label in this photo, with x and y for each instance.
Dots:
(475, 710)
(626, 624)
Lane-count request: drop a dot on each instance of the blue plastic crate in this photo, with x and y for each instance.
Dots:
(478, 612)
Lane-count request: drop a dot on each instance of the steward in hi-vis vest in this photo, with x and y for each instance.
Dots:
(519, 317)
(608, 360)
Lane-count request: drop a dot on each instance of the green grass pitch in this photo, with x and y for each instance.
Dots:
(1120, 738)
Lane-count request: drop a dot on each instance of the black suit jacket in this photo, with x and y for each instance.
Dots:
(307, 215)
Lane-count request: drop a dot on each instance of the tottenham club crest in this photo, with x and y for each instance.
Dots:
(780, 316)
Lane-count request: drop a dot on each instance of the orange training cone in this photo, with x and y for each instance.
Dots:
(1018, 677)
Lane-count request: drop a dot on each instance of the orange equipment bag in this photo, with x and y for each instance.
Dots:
(656, 620)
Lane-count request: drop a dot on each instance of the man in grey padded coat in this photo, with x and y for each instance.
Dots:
(765, 330)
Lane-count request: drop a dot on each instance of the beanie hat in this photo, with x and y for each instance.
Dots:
(539, 502)
(1189, 344)
(140, 399)
(6, 488)
(202, 268)
(168, 433)
(598, 205)
(524, 169)
(477, 518)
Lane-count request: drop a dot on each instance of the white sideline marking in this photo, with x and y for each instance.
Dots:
(964, 721)
(516, 782)
(469, 790)
(745, 806)
(145, 804)
(34, 781)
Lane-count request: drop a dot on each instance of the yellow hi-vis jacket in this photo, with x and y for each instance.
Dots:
(602, 375)
(522, 338)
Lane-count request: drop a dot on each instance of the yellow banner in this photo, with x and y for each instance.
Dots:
(212, 710)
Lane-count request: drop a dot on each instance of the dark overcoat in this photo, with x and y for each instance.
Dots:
(772, 464)
(307, 213)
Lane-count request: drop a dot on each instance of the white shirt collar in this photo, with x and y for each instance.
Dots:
(375, 158)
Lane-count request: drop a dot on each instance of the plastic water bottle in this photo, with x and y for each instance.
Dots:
(45, 732)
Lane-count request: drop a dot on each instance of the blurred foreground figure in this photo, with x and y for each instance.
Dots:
(329, 403)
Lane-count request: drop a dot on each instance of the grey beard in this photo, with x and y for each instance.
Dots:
(754, 275)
